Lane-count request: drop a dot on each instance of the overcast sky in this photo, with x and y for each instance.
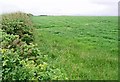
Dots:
(61, 7)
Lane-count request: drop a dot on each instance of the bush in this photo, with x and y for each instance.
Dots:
(25, 62)
(18, 24)
(21, 59)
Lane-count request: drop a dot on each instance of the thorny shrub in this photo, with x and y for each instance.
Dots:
(21, 58)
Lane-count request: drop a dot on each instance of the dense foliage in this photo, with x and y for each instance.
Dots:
(21, 58)
(18, 24)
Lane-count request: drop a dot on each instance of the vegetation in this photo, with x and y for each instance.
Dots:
(21, 58)
(58, 47)
(18, 24)
(85, 47)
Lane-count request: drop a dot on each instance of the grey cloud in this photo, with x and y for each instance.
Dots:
(61, 7)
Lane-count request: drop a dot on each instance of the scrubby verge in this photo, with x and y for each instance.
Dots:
(21, 58)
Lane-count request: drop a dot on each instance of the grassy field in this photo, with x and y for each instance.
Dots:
(85, 48)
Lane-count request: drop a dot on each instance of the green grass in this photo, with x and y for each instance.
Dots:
(85, 48)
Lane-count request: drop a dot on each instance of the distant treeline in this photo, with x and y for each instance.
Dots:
(29, 14)
(42, 15)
